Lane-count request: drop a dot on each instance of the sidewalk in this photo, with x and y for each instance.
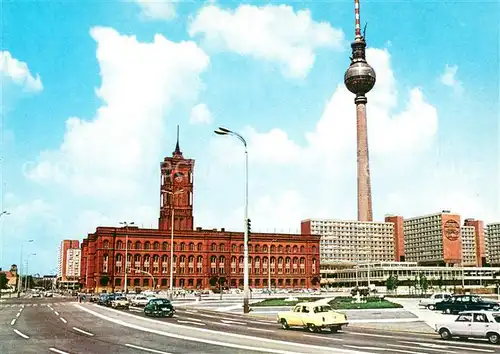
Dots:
(427, 316)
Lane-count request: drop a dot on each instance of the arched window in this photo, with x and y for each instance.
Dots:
(156, 246)
(302, 249)
(214, 247)
(191, 246)
(138, 245)
(164, 246)
(191, 259)
(199, 260)
(147, 245)
(233, 259)
(280, 248)
(105, 244)
(287, 260)
(156, 258)
(288, 249)
(129, 245)
(222, 259)
(265, 248)
(242, 248)
(295, 249)
(233, 248)
(164, 259)
(119, 257)
(273, 249)
(200, 247)
(314, 249)
(137, 258)
(119, 245)
(257, 248)
(182, 259)
(221, 247)
(213, 259)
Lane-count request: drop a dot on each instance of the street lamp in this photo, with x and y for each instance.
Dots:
(126, 224)
(246, 290)
(172, 239)
(269, 266)
(19, 283)
(27, 265)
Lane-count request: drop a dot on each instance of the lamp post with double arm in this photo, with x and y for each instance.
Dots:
(246, 289)
(126, 224)
(20, 269)
(172, 194)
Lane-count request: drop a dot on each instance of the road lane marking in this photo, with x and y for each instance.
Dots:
(191, 311)
(13, 322)
(383, 349)
(260, 329)
(192, 322)
(234, 322)
(21, 334)
(284, 344)
(57, 313)
(21, 310)
(145, 349)
(18, 314)
(454, 346)
(222, 324)
(62, 319)
(84, 332)
(192, 319)
(57, 351)
(323, 337)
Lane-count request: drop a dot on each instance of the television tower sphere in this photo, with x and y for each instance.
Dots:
(360, 77)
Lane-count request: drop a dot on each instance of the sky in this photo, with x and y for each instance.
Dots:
(92, 92)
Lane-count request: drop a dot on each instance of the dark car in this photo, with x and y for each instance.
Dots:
(459, 303)
(159, 308)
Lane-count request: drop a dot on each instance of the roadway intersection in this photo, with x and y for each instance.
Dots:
(63, 326)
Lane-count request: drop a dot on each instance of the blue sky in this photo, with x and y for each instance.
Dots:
(272, 71)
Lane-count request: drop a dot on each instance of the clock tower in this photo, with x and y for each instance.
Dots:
(176, 191)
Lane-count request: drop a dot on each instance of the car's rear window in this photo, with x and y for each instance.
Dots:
(496, 318)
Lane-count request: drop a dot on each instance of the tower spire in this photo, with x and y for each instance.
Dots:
(177, 148)
(358, 20)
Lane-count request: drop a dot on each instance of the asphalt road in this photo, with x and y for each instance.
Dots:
(59, 326)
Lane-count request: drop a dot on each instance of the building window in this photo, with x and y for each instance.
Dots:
(105, 244)
(183, 246)
(119, 245)
(164, 246)
(222, 247)
(233, 248)
(199, 264)
(164, 264)
(213, 265)
(200, 247)
(147, 245)
(233, 264)
(105, 263)
(214, 247)
(137, 245)
(302, 249)
(156, 246)
(191, 246)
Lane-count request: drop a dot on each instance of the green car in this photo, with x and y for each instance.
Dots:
(159, 308)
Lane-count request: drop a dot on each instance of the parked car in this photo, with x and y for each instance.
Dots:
(94, 298)
(102, 299)
(472, 324)
(119, 302)
(159, 308)
(139, 300)
(458, 303)
(431, 302)
(313, 316)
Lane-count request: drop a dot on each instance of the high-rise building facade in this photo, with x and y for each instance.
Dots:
(468, 246)
(63, 256)
(493, 242)
(73, 259)
(352, 241)
(433, 239)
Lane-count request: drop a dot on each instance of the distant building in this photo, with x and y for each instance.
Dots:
(352, 241)
(493, 242)
(11, 275)
(69, 260)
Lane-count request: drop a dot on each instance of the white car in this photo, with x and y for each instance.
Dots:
(431, 302)
(472, 324)
(139, 300)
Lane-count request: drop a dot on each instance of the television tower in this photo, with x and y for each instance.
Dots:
(360, 79)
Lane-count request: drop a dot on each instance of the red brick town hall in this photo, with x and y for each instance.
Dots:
(199, 255)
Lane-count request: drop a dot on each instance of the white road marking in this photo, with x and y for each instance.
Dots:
(222, 324)
(62, 319)
(57, 351)
(323, 337)
(18, 314)
(260, 329)
(21, 309)
(84, 332)
(57, 313)
(192, 322)
(35, 305)
(191, 311)
(455, 346)
(383, 349)
(308, 348)
(13, 322)
(145, 349)
(209, 316)
(192, 319)
(21, 334)
(234, 322)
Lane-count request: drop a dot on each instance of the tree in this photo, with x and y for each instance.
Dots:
(3, 281)
(315, 280)
(392, 283)
(104, 280)
(423, 282)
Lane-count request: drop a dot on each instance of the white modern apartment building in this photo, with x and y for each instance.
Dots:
(493, 243)
(352, 241)
(468, 246)
(73, 258)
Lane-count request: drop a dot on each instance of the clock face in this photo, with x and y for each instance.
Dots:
(178, 176)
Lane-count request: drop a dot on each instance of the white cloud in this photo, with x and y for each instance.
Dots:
(449, 78)
(157, 9)
(273, 33)
(290, 181)
(19, 73)
(200, 114)
(112, 155)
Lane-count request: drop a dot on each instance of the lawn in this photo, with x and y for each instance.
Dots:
(281, 301)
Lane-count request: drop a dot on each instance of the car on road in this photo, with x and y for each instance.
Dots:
(472, 324)
(431, 301)
(460, 303)
(139, 300)
(120, 302)
(159, 308)
(313, 316)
